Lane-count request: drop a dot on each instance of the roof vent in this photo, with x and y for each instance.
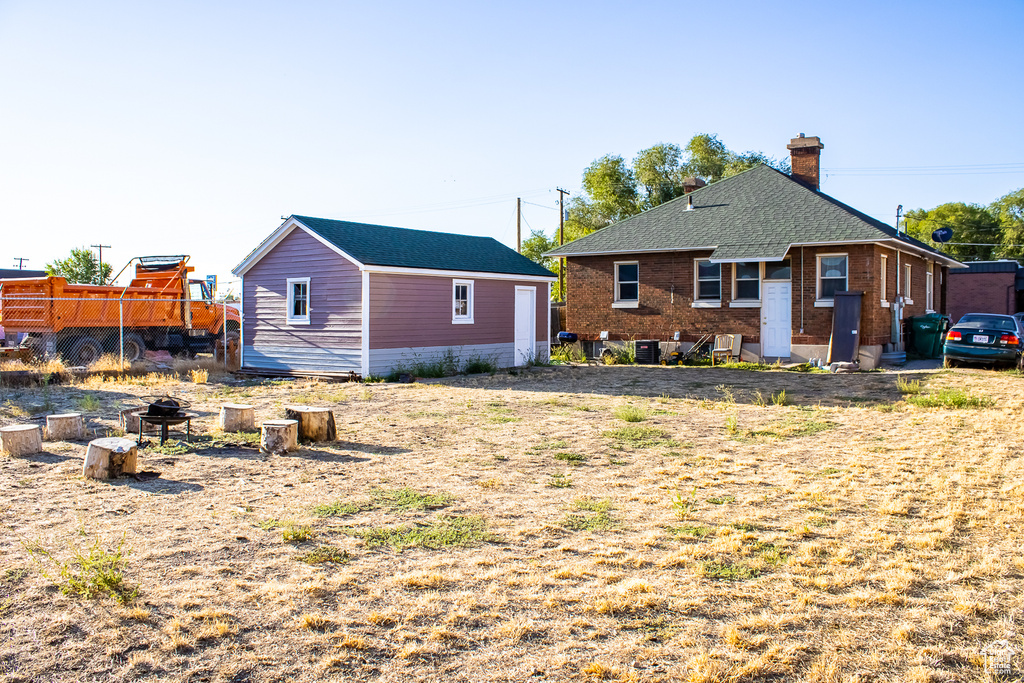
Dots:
(689, 203)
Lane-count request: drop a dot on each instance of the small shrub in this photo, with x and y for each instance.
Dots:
(908, 386)
(779, 398)
(631, 413)
(89, 573)
(89, 403)
(295, 533)
(477, 366)
(684, 505)
(325, 554)
(950, 398)
(199, 375)
(731, 424)
(409, 499)
(446, 531)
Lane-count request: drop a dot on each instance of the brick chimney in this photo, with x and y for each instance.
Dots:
(805, 159)
(690, 184)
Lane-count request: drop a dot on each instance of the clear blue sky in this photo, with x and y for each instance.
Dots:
(193, 127)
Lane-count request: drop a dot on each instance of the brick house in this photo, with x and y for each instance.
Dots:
(761, 254)
(986, 287)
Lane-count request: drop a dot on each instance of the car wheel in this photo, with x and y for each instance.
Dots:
(84, 351)
(948, 362)
(1020, 363)
(134, 347)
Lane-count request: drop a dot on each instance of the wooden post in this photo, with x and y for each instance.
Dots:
(279, 436)
(315, 424)
(110, 457)
(236, 417)
(21, 439)
(67, 427)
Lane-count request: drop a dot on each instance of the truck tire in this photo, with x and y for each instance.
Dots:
(134, 347)
(85, 350)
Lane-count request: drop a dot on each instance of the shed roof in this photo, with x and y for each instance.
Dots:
(382, 245)
(756, 215)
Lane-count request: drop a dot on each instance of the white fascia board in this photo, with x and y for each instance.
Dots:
(365, 339)
(277, 236)
(898, 245)
(466, 274)
(627, 252)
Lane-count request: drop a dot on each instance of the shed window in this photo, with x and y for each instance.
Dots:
(748, 281)
(832, 275)
(929, 294)
(709, 280)
(298, 301)
(907, 279)
(462, 302)
(627, 281)
(884, 279)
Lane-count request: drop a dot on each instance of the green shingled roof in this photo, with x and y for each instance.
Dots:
(752, 216)
(381, 245)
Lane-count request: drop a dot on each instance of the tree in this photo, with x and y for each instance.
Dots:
(976, 231)
(1009, 211)
(81, 267)
(709, 157)
(536, 245)
(660, 172)
(612, 187)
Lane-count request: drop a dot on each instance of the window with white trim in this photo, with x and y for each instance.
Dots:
(907, 279)
(884, 279)
(833, 270)
(627, 281)
(462, 302)
(298, 301)
(929, 296)
(746, 281)
(709, 280)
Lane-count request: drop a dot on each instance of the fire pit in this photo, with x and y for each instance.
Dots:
(165, 411)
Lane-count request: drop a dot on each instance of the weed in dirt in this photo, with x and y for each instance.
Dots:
(759, 400)
(602, 521)
(691, 531)
(571, 458)
(560, 481)
(89, 403)
(790, 428)
(732, 424)
(727, 393)
(409, 499)
(502, 419)
(232, 439)
(199, 375)
(550, 445)
(338, 508)
(446, 531)
(591, 504)
(638, 436)
(89, 573)
(296, 533)
(270, 524)
(779, 398)
(728, 571)
(911, 386)
(744, 526)
(170, 447)
(950, 398)
(325, 554)
(722, 500)
(631, 413)
(682, 505)
(584, 408)
(830, 471)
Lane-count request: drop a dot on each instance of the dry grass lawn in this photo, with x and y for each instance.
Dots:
(563, 524)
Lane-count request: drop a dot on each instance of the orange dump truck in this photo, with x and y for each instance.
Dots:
(161, 309)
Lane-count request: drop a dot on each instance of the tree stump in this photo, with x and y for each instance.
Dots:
(67, 427)
(279, 436)
(21, 439)
(315, 424)
(111, 457)
(130, 423)
(236, 417)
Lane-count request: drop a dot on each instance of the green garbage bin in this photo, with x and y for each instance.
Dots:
(926, 336)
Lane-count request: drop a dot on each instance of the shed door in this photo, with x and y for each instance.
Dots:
(526, 321)
(776, 319)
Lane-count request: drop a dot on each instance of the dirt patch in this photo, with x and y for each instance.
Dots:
(612, 523)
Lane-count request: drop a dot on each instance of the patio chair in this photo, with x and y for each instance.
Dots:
(727, 345)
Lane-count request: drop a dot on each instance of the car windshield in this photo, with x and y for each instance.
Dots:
(991, 322)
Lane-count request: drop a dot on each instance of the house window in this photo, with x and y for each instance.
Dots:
(929, 280)
(298, 301)
(907, 279)
(709, 280)
(748, 281)
(832, 275)
(627, 282)
(778, 270)
(462, 302)
(884, 279)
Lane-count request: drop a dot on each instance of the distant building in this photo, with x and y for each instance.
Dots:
(986, 287)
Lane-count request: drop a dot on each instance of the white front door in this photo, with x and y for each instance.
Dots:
(526, 321)
(776, 319)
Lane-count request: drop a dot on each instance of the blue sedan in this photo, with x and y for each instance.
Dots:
(985, 338)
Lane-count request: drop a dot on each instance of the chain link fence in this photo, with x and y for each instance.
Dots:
(117, 334)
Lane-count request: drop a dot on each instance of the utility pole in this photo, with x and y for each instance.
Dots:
(519, 231)
(101, 247)
(21, 262)
(561, 240)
